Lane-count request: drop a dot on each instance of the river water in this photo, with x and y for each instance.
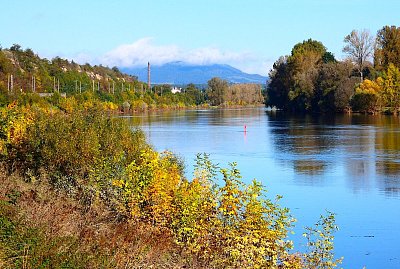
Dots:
(347, 164)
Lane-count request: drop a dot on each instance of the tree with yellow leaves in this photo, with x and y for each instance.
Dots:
(390, 93)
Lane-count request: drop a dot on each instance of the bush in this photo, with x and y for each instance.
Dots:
(364, 102)
(99, 164)
(366, 96)
(233, 225)
(71, 149)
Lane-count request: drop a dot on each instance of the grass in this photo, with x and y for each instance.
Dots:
(43, 228)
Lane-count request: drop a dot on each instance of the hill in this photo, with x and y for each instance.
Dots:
(178, 73)
(24, 71)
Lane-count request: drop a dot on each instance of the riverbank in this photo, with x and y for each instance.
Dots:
(351, 156)
(203, 106)
(106, 199)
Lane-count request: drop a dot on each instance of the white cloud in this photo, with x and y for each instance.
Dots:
(209, 55)
(83, 58)
(139, 53)
(145, 50)
(257, 67)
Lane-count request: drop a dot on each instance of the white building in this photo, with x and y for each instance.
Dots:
(176, 90)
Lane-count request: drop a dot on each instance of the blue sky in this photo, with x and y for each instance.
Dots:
(249, 34)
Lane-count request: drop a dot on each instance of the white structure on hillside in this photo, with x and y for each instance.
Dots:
(176, 90)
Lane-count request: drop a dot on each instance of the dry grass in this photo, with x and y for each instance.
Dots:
(97, 238)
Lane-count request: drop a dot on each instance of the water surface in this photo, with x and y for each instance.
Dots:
(348, 164)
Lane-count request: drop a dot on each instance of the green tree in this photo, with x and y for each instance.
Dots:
(5, 63)
(335, 86)
(16, 47)
(305, 62)
(279, 84)
(293, 78)
(388, 47)
(328, 57)
(216, 90)
(308, 46)
(194, 94)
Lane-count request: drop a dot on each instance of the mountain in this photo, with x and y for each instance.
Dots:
(178, 73)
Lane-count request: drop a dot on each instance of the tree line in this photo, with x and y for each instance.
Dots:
(311, 79)
(22, 71)
(220, 92)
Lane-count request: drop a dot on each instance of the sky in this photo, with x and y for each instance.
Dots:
(247, 34)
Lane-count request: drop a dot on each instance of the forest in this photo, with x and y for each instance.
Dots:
(310, 79)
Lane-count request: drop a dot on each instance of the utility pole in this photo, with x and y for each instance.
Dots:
(76, 86)
(80, 86)
(8, 82)
(33, 83)
(93, 85)
(58, 85)
(148, 76)
(12, 83)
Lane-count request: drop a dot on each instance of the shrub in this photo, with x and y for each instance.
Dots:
(232, 225)
(320, 244)
(100, 163)
(366, 96)
(81, 152)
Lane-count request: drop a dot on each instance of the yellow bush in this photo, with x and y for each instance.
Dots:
(109, 106)
(370, 87)
(150, 186)
(233, 225)
(69, 104)
(14, 124)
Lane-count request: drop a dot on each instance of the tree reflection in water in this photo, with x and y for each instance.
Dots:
(367, 146)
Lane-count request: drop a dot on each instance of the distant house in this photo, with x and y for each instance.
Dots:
(176, 90)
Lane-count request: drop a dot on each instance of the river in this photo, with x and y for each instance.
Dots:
(347, 164)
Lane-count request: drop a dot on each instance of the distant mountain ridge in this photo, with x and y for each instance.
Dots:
(178, 73)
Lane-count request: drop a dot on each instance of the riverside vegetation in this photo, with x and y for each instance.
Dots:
(81, 189)
(23, 72)
(310, 79)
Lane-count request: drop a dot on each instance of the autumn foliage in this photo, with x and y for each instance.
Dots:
(84, 190)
